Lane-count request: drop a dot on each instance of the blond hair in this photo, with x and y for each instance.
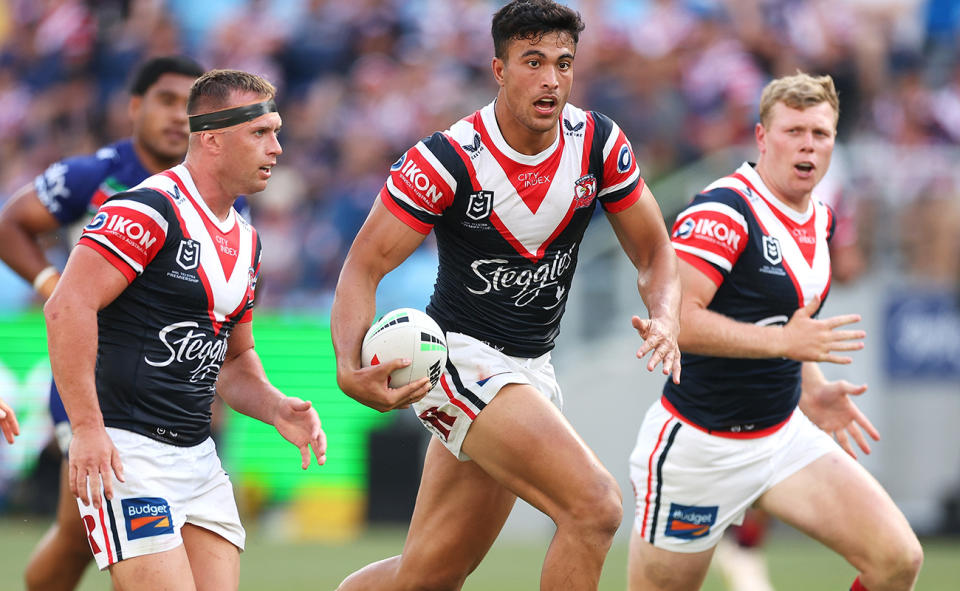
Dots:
(799, 92)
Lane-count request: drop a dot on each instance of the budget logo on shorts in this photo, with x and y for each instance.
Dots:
(689, 522)
(146, 517)
(480, 205)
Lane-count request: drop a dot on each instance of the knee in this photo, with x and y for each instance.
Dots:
(598, 508)
(898, 566)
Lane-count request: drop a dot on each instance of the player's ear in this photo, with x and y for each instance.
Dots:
(761, 134)
(497, 66)
(211, 142)
(133, 107)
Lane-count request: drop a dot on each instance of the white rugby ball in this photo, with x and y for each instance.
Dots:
(406, 333)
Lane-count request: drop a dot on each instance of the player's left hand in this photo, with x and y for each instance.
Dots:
(297, 421)
(660, 337)
(832, 409)
(8, 422)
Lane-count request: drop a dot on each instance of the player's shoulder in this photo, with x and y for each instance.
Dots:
(142, 197)
(723, 198)
(96, 163)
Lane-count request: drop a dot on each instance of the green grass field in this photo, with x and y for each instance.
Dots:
(796, 564)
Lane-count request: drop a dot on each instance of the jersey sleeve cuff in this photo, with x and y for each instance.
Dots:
(626, 201)
(701, 265)
(393, 207)
(111, 257)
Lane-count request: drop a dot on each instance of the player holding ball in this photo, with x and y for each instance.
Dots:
(509, 191)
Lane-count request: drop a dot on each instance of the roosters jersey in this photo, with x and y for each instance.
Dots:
(509, 225)
(192, 278)
(767, 260)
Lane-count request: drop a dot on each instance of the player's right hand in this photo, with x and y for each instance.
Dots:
(93, 458)
(369, 386)
(8, 422)
(809, 339)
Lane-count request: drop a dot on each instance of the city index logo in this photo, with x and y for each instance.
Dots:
(415, 177)
(690, 522)
(146, 517)
(707, 228)
(118, 224)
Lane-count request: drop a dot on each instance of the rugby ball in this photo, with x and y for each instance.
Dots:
(406, 333)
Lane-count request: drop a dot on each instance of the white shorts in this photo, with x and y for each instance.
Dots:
(166, 486)
(690, 485)
(474, 374)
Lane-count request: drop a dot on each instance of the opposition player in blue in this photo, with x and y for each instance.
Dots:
(69, 193)
(508, 191)
(151, 319)
(755, 268)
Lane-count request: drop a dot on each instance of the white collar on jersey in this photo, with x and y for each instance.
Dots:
(489, 117)
(184, 175)
(750, 173)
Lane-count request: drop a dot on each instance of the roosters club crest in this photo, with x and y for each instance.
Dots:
(480, 205)
(585, 189)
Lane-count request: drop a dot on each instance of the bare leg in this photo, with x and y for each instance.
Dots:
(459, 512)
(214, 561)
(164, 571)
(524, 443)
(836, 501)
(520, 445)
(62, 555)
(654, 569)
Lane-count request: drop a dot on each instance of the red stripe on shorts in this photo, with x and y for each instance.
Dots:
(646, 500)
(106, 537)
(459, 403)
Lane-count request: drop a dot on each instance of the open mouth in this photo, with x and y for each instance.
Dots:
(545, 104)
(804, 167)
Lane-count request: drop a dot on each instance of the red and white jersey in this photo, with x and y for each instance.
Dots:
(192, 278)
(767, 260)
(509, 225)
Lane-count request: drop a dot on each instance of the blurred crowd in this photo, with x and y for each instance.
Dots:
(361, 81)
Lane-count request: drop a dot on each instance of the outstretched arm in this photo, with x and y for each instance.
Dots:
(830, 406)
(244, 386)
(803, 338)
(643, 236)
(381, 245)
(22, 221)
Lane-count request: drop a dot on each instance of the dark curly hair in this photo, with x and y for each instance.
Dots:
(532, 19)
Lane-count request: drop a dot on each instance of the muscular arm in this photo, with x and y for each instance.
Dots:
(803, 338)
(242, 382)
(380, 246)
(22, 221)
(89, 283)
(644, 238)
(243, 385)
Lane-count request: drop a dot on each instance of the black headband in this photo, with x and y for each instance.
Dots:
(230, 117)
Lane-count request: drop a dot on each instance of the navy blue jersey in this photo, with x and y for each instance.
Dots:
(509, 225)
(767, 260)
(74, 188)
(163, 340)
